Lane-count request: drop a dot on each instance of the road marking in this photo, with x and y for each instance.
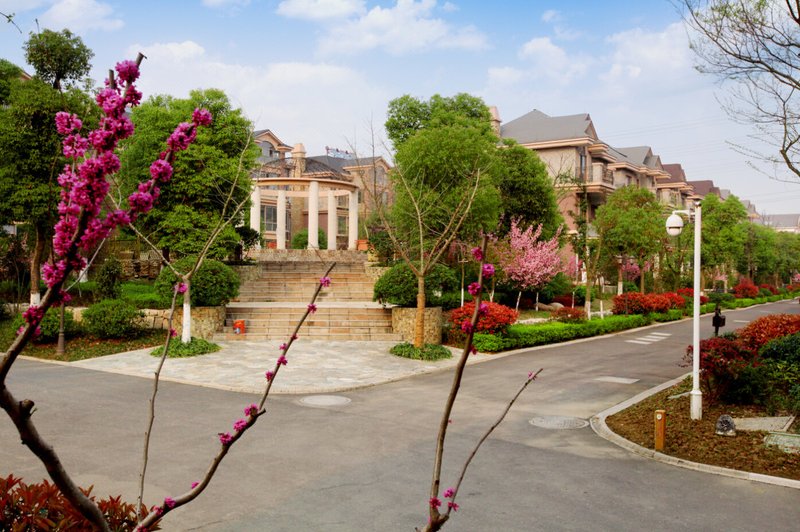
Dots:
(653, 338)
(660, 334)
(638, 342)
(741, 321)
(617, 380)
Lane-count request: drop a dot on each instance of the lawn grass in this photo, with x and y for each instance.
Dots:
(696, 440)
(82, 347)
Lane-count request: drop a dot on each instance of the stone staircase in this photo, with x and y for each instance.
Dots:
(272, 301)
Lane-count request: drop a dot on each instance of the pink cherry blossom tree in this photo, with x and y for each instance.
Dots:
(528, 262)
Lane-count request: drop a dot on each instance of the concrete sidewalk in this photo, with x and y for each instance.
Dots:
(314, 366)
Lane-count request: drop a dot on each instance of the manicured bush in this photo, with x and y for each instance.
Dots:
(675, 301)
(745, 288)
(112, 318)
(193, 348)
(721, 362)
(109, 278)
(300, 239)
(398, 286)
(567, 300)
(494, 318)
(569, 315)
(382, 245)
(760, 331)
(50, 324)
(784, 348)
(688, 295)
(426, 352)
(720, 297)
(41, 506)
(631, 303)
(772, 289)
(658, 302)
(670, 315)
(143, 295)
(491, 343)
(214, 284)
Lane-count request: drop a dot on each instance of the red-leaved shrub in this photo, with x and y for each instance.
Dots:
(769, 287)
(794, 287)
(675, 301)
(657, 303)
(42, 507)
(721, 362)
(569, 315)
(494, 320)
(760, 331)
(565, 299)
(689, 294)
(630, 303)
(745, 288)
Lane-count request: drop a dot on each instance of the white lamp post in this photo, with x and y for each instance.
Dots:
(674, 228)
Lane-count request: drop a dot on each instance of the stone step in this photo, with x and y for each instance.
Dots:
(228, 335)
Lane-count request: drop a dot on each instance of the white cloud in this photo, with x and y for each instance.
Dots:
(553, 62)
(449, 7)
(505, 75)
(225, 3)
(320, 9)
(551, 15)
(660, 54)
(16, 6)
(318, 104)
(80, 16)
(408, 26)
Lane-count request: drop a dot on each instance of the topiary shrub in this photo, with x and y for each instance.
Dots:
(630, 303)
(745, 289)
(786, 348)
(493, 318)
(214, 284)
(720, 297)
(49, 326)
(109, 279)
(300, 239)
(426, 352)
(721, 362)
(398, 286)
(112, 318)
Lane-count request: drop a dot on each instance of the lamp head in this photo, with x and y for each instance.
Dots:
(674, 225)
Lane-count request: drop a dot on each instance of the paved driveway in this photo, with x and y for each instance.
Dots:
(366, 465)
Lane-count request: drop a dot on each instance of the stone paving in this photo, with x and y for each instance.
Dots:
(314, 366)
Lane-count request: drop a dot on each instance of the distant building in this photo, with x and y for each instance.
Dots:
(785, 223)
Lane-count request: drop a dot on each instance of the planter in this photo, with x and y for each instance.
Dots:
(362, 244)
(404, 319)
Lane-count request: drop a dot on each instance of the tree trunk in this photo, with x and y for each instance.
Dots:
(641, 279)
(519, 296)
(36, 261)
(419, 325)
(186, 333)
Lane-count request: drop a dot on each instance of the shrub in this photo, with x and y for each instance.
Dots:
(630, 303)
(721, 362)
(300, 239)
(112, 318)
(760, 331)
(688, 295)
(566, 299)
(560, 284)
(108, 278)
(41, 506)
(490, 343)
(143, 295)
(398, 286)
(212, 285)
(670, 315)
(426, 352)
(745, 288)
(720, 297)
(569, 315)
(382, 244)
(658, 303)
(450, 300)
(494, 319)
(50, 324)
(772, 289)
(786, 348)
(195, 347)
(580, 294)
(675, 301)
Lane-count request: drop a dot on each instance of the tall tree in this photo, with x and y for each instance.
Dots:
(30, 148)
(758, 258)
(630, 223)
(723, 233)
(213, 168)
(752, 45)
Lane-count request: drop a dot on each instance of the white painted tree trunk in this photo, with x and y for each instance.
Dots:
(186, 333)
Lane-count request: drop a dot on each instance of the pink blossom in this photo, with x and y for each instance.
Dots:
(452, 505)
(295, 337)
(161, 170)
(448, 493)
(282, 360)
(201, 117)
(325, 282)
(312, 308)
(240, 425)
(195, 484)
(157, 509)
(435, 502)
(169, 502)
(66, 123)
(474, 289)
(251, 410)
(466, 326)
(183, 135)
(269, 374)
(34, 314)
(127, 71)
(530, 375)
(483, 309)
(225, 438)
(488, 271)
(282, 347)
(527, 261)
(181, 288)
(473, 350)
(477, 254)
(140, 201)
(173, 333)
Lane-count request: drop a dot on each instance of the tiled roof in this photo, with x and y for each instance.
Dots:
(536, 126)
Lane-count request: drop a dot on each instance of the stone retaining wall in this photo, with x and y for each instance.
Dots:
(205, 320)
(403, 320)
(306, 255)
(247, 273)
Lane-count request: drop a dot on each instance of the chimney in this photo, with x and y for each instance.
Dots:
(299, 158)
(495, 119)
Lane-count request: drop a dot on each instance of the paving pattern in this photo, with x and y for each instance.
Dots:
(649, 338)
(314, 366)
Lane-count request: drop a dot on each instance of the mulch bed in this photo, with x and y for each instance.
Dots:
(696, 441)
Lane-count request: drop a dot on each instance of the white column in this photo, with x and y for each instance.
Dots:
(313, 215)
(281, 228)
(255, 212)
(332, 220)
(352, 229)
(696, 396)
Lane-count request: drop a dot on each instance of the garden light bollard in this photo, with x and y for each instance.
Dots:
(660, 429)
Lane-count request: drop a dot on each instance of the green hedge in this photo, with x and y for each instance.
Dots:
(212, 285)
(112, 318)
(520, 336)
(50, 324)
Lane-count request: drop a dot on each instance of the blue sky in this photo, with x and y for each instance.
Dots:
(321, 71)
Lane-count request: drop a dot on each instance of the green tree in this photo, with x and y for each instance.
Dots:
(58, 57)
(723, 233)
(631, 224)
(211, 174)
(30, 147)
(526, 191)
(788, 260)
(8, 73)
(758, 258)
(443, 182)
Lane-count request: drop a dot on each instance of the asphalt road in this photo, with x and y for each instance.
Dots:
(367, 465)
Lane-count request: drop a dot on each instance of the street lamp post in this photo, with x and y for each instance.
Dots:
(674, 228)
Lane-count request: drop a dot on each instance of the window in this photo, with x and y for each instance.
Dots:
(342, 225)
(269, 218)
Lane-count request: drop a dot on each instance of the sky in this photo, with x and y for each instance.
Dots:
(322, 72)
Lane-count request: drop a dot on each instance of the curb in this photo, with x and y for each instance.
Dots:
(599, 426)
